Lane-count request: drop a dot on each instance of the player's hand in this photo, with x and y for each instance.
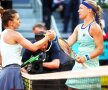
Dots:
(51, 34)
(80, 59)
(23, 70)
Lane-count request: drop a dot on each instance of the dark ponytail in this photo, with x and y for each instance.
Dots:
(8, 15)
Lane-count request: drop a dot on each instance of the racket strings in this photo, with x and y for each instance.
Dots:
(66, 48)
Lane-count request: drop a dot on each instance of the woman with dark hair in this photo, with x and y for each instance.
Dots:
(11, 46)
(1, 11)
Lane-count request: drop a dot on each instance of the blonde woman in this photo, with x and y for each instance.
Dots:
(90, 39)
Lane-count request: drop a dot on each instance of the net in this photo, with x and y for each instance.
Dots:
(58, 79)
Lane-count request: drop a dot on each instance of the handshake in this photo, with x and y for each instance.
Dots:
(50, 34)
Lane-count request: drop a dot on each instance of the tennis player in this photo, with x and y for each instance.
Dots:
(90, 39)
(1, 11)
(11, 46)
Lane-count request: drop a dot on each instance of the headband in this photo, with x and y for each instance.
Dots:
(89, 6)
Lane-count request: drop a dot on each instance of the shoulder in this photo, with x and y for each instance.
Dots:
(95, 29)
(77, 28)
(17, 34)
(95, 26)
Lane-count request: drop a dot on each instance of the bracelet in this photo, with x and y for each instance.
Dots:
(87, 57)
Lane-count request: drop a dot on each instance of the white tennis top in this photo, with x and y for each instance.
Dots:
(11, 54)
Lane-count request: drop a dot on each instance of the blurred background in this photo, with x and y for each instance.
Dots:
(61, 15)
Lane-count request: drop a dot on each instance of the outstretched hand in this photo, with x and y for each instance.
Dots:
(51, 34)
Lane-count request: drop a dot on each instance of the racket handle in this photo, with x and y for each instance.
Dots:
(85, 65)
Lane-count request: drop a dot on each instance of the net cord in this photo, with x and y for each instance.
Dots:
(88, 72)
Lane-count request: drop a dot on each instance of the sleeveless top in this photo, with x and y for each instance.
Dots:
(11, 54)
(86, 44)
(85, 41)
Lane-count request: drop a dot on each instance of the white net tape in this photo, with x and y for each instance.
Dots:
(89, 72)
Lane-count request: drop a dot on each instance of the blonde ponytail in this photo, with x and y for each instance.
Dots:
(99, 14)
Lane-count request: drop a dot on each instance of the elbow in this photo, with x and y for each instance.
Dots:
(34, 50)
(56, 66)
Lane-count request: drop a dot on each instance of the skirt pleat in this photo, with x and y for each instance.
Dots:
(10, 78)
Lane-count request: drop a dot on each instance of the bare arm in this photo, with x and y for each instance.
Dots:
(28, 45)
(73, 38)
(52, 65)
(97, 35)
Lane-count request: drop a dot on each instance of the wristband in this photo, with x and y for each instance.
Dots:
(87, 57)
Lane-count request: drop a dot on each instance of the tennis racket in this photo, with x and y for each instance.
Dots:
(67, 50)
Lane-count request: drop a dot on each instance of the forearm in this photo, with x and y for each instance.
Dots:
(72, 39)
(96, 52)
(37, 45)
(52, 65)
(34, 46)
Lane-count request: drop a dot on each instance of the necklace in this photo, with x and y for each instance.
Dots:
(48, 48)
